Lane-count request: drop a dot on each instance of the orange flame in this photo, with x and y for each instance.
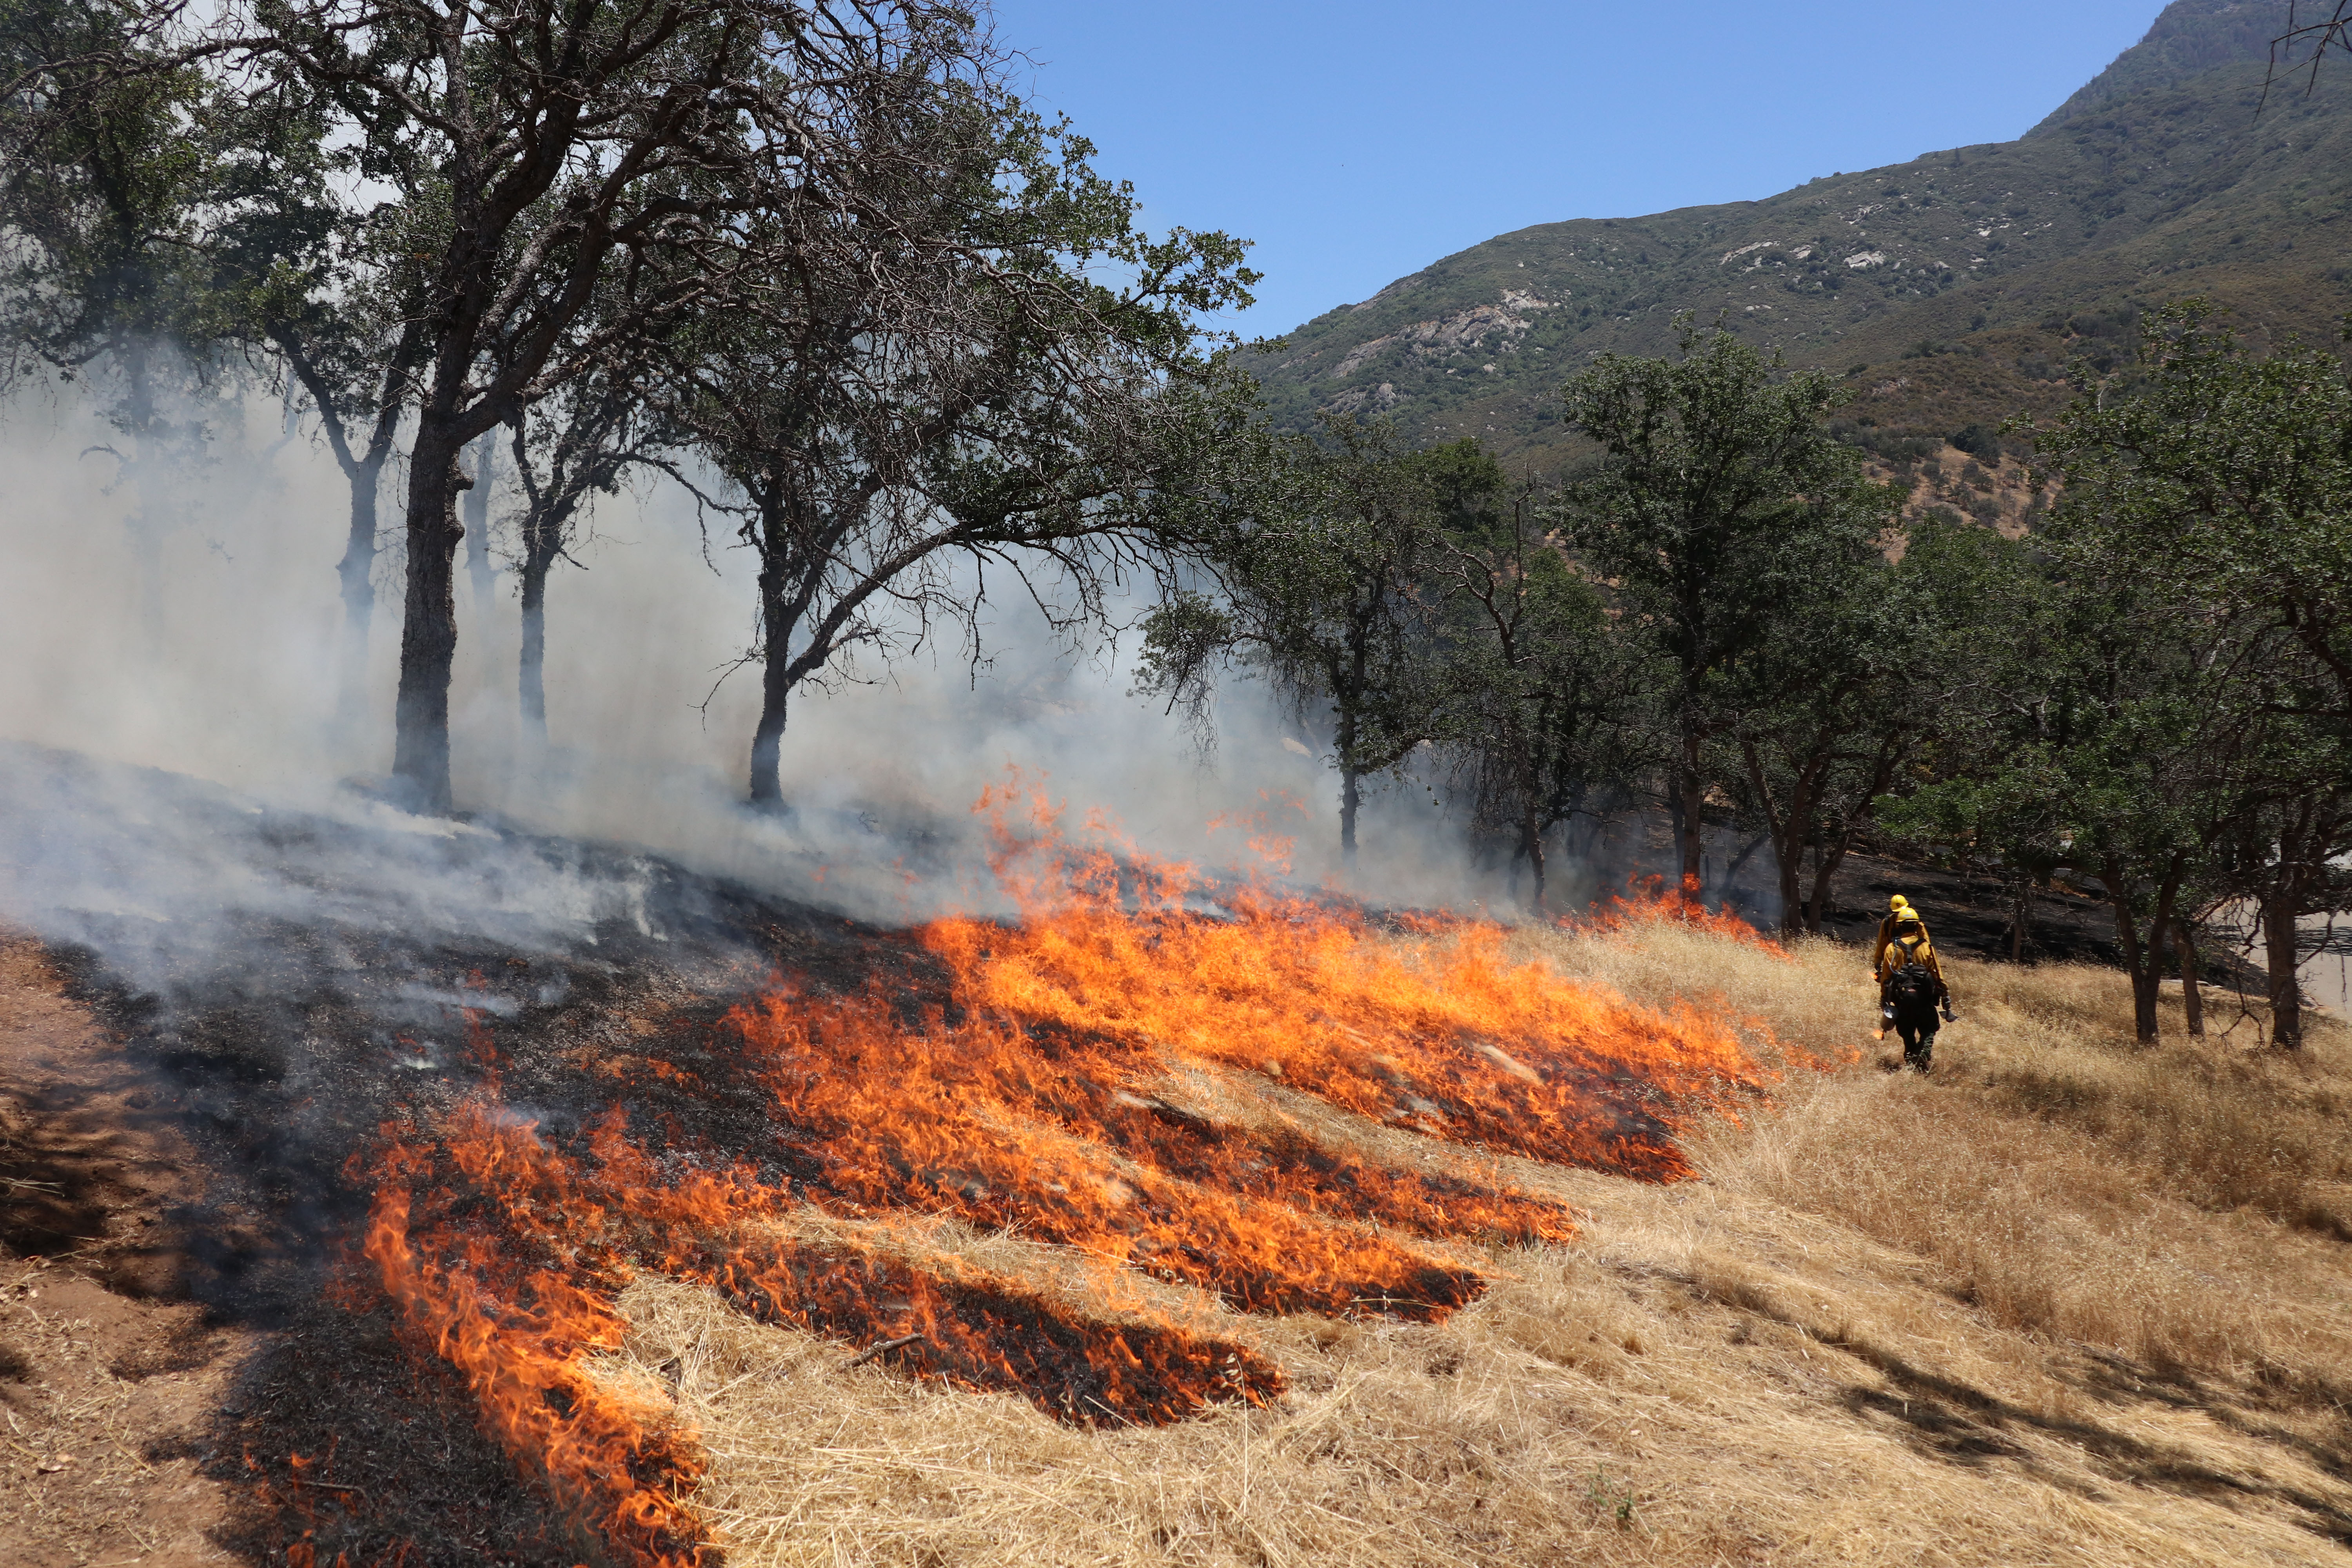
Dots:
(1646, 902)
(1435, 1031)
(984, 1123)
(519, 1335)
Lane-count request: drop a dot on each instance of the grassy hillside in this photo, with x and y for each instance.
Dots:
(2066, 1302)
(1953, 288)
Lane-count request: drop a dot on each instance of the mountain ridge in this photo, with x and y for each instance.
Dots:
(2187, 37)
(1954, 287)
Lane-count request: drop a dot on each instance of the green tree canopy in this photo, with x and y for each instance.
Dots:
(1725, 522)
(2204, 538)
(1321, 567)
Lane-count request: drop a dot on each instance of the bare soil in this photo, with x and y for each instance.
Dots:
(110, 1381)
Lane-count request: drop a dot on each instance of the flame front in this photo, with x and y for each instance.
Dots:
(1139, 1075)
(1439, 1031)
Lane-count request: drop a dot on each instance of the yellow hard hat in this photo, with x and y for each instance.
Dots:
(1897, 904)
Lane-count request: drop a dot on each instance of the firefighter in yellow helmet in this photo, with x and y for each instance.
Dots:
(1911, 986)
(1898, 907)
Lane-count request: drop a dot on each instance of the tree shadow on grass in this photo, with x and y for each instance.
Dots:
(1958, 1423)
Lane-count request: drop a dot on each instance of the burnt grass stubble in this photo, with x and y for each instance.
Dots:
(282, 1070)
(283, 1066)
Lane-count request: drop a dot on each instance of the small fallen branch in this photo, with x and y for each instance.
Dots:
(883, 1347)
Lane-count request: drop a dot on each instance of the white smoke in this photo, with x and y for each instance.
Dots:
(188, 620)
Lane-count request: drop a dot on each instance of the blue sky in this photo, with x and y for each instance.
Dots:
(1359, 142)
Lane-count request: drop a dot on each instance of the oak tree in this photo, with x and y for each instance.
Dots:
(1721, 514)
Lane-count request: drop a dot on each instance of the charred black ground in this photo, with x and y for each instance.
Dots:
(280, 1043)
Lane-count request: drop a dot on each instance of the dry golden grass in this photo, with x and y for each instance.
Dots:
(2075, 1184)
(2065, 1302)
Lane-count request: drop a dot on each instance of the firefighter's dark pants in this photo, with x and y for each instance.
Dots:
(1915, 1019)
(1918, 1038)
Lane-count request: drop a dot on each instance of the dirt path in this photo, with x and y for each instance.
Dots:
(110, 1381)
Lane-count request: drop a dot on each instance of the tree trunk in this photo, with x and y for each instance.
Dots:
(1825, 865)
(356, 573)
(2148, 988)
(1792, 898)
(1351, 798)
(2192, 994)
(1747, 853)
(2280, 957)
(1890, 752)
(1531, 834)
(775, 678)
(428, 632)
(364, 473)
(542, 545)
(1788, 835)
(535, 651)
(2143, 961)
(1788, 872)
(1589, 850)
(1350, 784)
(477, 518)
(768, 739)
(1675, 816)
(1692, 788)
(2147, 973)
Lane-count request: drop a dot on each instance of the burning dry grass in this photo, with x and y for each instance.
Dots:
(1777, 1391)
(1045, 1091)
(2031, 1311)
(1261, 1217)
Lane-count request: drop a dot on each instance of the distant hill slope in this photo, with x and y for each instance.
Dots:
(1952, 288)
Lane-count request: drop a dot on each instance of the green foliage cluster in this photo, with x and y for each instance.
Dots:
(1716, 614)
(1696, 611)
(824, 254)
(2174, 690)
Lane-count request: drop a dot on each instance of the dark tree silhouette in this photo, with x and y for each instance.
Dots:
(947, 395)
(2328, 31)
(544, 157)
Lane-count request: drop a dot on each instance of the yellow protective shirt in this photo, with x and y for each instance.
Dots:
(1887, 940)
(1893, 951)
